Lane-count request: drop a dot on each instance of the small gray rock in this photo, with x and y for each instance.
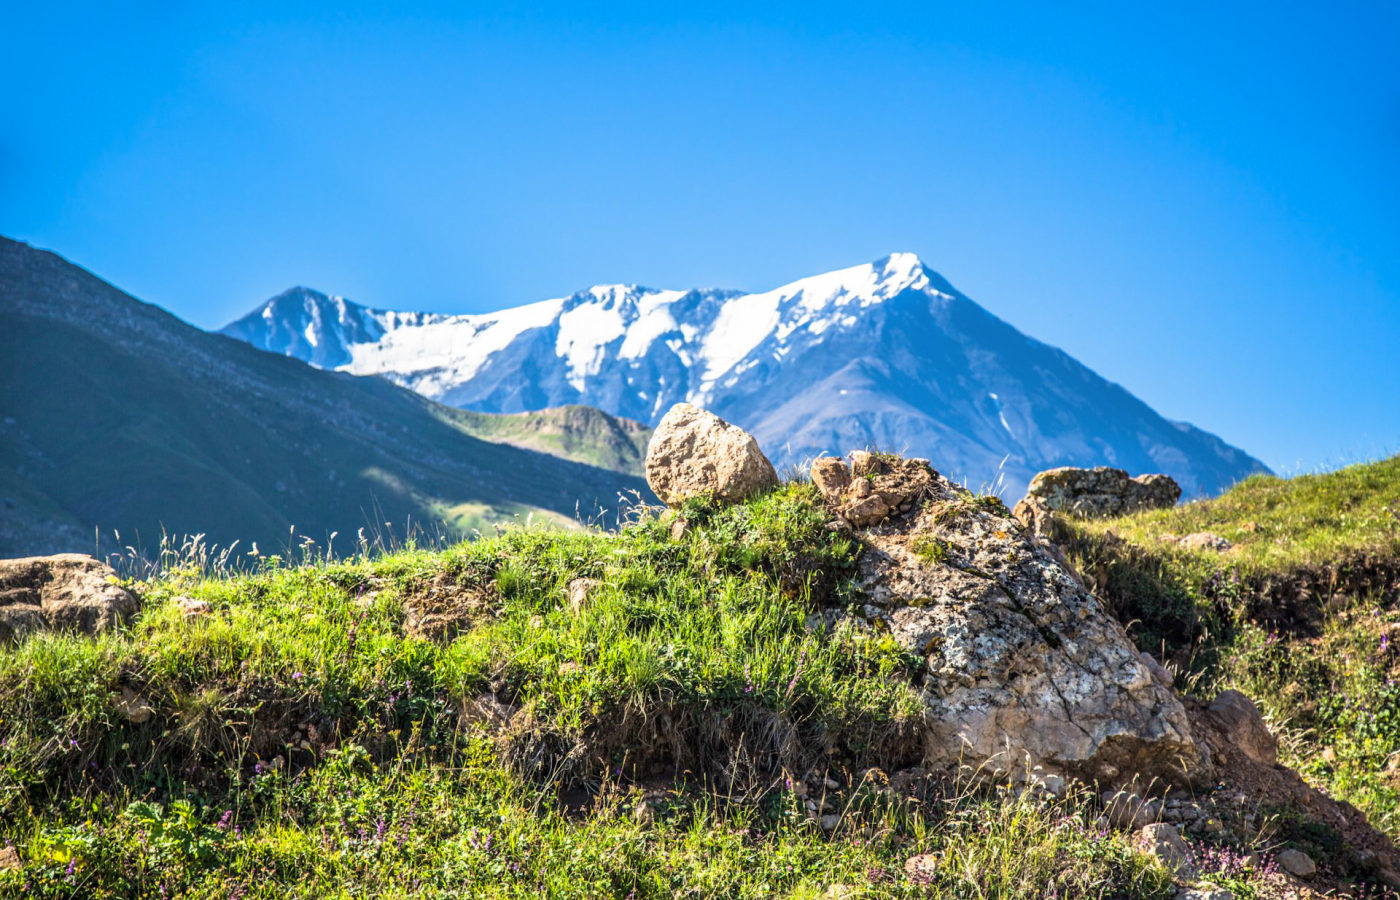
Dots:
(1165, 843)
(1296, 862)
(1204, 892)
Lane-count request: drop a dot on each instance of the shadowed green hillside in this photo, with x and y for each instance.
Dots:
(118, 416)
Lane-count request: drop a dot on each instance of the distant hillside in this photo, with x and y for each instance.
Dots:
(117, 415)
(580, 433)
(886, 355)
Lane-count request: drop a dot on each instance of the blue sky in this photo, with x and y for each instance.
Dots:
(1199, 201)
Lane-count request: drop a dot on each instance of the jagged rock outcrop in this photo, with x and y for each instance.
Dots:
(1099, 492)
(1025, 667)
(68, 592)
(694, 452)
(873, 487)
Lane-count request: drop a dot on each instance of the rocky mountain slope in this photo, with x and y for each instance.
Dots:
(886, 355)
(115, 415)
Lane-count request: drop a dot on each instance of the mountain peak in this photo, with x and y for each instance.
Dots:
(901, 265)
(308, 324)
(885, 353)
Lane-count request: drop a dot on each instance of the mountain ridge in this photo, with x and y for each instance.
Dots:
(885, 354)
(119, 416)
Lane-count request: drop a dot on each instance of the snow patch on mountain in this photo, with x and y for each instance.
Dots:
(886, 353)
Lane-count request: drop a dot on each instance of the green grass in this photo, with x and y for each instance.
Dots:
(1301, 614)
(303, 744)
(1277, 524)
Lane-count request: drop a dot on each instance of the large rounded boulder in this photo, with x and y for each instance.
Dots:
(695, 452)
(68, 592)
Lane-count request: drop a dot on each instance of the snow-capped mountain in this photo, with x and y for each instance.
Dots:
(317, 329)
(887, 354)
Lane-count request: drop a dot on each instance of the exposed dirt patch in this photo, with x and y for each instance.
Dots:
(1141, 585)
(741, 749)
(1335, 833)
(447, 605)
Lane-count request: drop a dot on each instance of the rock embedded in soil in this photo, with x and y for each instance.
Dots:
(132, 707)
(1205, 540)
(1024, 666)
(1102, 491)
(579, 590)
(1164, 843)
(1205, 892)
(192, 608)
(1240, 721)
(694, 452)
(1296, 863)
(67, 592)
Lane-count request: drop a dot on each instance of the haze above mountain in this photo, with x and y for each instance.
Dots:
(886, 355)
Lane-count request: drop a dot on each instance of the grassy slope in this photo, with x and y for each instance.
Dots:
(1278, 524)
(303, 745)
(581, 433)
(400, 791)
(1302, 614)
(117, 415)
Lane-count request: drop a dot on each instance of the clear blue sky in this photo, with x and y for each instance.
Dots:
(1200, 201)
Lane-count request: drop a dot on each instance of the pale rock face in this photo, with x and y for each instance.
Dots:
(1025, 666)
(696, 452)
(1102, 491)
(67, 592)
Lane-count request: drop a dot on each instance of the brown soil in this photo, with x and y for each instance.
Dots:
(448, 605)
(1353, 848)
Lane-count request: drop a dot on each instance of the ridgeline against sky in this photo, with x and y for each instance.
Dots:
(1197, 203)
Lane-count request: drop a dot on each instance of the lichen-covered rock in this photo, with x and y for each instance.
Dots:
(68, 592)
(694, 452)
(1025, 666)
(1102, 491)
(873, 487)
(1204, 540)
